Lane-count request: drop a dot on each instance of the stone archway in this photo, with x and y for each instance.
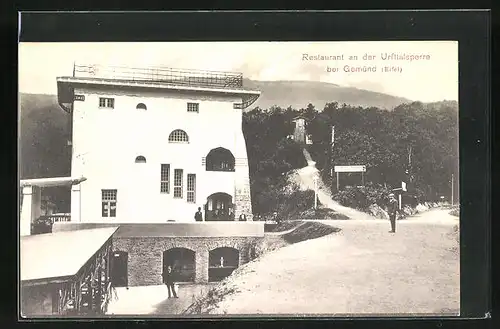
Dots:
(222, 262)
(219, 207)
(183, 262)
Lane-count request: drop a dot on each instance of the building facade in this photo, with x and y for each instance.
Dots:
(154, 150)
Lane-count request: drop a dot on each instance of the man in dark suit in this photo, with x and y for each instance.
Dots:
(168, 279)
(198, 215)
(392, 209)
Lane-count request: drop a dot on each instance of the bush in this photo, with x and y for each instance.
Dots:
(291, 204)
(363, 197)
(41, 225)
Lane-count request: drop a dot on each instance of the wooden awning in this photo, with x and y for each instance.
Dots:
(58, 257)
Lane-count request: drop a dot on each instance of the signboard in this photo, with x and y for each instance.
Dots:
(350, 168)
(79, 97)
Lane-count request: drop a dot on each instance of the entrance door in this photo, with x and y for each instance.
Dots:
(119, 270)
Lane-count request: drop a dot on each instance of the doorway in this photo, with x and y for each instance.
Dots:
(119, 269)
(183, 263)
(219, 207)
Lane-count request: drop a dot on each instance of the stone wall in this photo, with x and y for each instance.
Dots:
(145, 255)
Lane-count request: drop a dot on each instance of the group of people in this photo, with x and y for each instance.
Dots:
(198, 216)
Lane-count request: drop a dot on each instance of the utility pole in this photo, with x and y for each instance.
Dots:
(315, 192)
(452, 188)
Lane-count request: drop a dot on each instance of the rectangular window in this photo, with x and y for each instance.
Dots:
(107, 103)
(178, 183)
(191, 188)
(165, 179)
(109, 203)
(193, 107)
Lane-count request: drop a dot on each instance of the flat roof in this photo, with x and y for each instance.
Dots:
(61, 255)
(153, 84)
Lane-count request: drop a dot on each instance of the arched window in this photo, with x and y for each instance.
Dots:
(141, 106)
(140, 159)
(178, 136)
(220, 159)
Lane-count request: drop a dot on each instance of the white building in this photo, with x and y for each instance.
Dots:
(156, 144)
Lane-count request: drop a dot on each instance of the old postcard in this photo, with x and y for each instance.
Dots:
(201, 179)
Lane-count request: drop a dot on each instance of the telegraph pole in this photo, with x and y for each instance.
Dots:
(315, 192)
(452, 188)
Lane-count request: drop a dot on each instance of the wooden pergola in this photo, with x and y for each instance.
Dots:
(66, 273)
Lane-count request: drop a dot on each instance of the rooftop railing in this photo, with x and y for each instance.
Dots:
(195, 78)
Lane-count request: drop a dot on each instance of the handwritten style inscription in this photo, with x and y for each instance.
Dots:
(366, 62)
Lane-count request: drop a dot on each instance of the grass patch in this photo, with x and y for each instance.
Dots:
(287, 225)
(207, 303)
(322, 213)
(308, 231)
(455, 212)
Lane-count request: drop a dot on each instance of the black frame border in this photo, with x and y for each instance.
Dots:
(470, 28)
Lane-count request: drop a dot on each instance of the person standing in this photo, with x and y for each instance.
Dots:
(168, 278)
(198, 215)
(392, 209)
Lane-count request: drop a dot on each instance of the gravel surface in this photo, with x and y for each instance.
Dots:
(362, 270)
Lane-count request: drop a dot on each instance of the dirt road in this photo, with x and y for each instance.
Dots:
(363, 270)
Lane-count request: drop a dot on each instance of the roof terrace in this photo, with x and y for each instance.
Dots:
(194, 78)
(155, 77)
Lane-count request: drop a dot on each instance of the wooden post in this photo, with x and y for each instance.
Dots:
(363, 178)
(337, 181)
(400, 200)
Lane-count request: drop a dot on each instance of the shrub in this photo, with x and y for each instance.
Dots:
(363, 197)
(41, 225)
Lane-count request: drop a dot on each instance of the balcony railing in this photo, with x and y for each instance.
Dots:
(56, 218)
(196, 78)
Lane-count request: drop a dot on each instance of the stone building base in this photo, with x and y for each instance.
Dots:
(145, 255)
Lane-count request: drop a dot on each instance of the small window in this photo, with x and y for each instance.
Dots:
(109, 203)
(191, 188)
(141, 106)
(178, 136)
(178, 173)
(107, 103)
(193, 107)
(165, 178)
(140, 159)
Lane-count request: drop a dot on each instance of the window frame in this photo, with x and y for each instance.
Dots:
(173, 139)
(165, 182)
(109, 199)
(193, 107)
(178, 188)
(191, 188)
(107, 101)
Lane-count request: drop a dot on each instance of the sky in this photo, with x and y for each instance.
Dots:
(432, 77)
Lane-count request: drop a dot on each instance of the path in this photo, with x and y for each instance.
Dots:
(305, 178)
(363, 270)
(153, 300)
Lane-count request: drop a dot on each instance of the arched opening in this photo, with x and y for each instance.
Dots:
(119, 269)
(178, 136)
(183, 263)
(222, 262)
(140, 159)
(141, 106)
(220, 159)
(219, 207)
